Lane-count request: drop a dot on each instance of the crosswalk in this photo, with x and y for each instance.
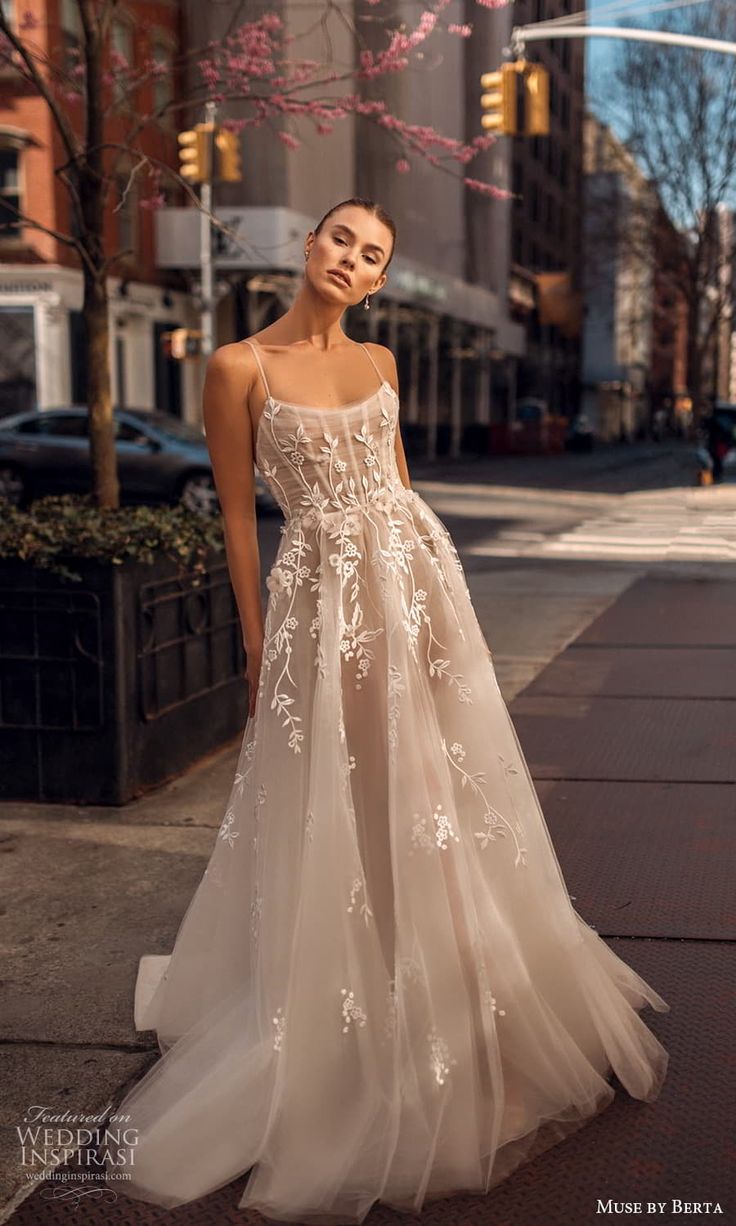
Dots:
(680, 524)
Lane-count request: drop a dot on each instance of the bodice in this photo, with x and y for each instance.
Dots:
(323, 462)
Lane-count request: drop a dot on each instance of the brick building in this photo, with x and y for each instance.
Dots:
(42, 358)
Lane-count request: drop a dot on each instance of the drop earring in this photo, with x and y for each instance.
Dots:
(367, 303)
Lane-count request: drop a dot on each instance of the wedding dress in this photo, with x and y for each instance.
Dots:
(380, 989)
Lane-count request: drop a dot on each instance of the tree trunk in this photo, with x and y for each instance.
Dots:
(92, 191)
(103, 459)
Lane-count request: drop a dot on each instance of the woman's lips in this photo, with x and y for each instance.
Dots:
(338, 277)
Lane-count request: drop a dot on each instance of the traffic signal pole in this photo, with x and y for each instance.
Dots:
(521, 35)
(207, 155)
(207, 286)
(505, 102)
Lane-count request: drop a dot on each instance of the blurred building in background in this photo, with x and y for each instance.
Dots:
(619, 257)
(671, 404)
(444, 310)
(42, 356)
(547, 174)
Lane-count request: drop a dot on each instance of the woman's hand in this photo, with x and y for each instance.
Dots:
(252, 675)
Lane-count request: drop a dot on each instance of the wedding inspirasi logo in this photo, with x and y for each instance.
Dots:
(49, 1140)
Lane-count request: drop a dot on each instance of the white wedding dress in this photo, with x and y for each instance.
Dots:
(380, 989)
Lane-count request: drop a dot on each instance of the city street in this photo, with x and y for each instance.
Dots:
(585, 627)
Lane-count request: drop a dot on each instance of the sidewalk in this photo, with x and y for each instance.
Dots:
(564, 469)
(630, 735)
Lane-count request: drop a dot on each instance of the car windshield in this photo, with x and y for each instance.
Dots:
(165, 423)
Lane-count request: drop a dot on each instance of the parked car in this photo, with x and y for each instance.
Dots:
(160, 458)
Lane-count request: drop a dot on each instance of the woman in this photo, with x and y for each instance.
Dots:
(380, 989)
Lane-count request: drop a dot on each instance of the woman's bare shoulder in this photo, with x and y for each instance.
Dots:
(234, 357)
(385, 361)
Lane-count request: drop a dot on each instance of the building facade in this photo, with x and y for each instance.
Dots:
(619, 252)
(42, 357)
(444, 310)
(547, 177)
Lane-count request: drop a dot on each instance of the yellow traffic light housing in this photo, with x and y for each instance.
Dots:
(194, 153)
(512, 112)
(536, 100)
(229, 164)
(501, 102)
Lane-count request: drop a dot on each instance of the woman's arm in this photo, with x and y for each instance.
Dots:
(229, 436)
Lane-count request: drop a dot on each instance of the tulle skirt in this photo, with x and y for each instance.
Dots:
(380, 989)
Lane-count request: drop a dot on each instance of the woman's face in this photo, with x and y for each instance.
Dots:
(357, 244)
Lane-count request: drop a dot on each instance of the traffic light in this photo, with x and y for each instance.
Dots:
(181, 343)
(229, 166)
(501, 102)
(194, 153)
(514, 111)
(536, 100)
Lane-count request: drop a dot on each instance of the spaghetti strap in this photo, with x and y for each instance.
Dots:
(374, 364)
(254, 346)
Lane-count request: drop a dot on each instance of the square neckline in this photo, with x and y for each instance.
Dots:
(337, 408)
(310, 408)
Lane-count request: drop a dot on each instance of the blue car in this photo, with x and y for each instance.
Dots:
(159, 457)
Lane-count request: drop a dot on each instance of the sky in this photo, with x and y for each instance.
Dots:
(601, 54)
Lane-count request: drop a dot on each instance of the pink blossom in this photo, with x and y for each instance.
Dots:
(287, 139)
(402, 166)
(488, 189)
(463, 31)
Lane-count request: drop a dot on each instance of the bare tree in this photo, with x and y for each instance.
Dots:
(673, 109)
(97, 103)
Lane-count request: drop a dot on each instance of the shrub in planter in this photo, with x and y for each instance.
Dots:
(121, 658)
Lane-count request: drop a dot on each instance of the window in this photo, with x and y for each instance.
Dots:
(163, 84)
(10, 197)
(8, 10)
(126, 432)
(71, 31)
(56, 425)
(122, 56)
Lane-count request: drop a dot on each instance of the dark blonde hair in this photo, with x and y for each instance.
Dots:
(371, 206)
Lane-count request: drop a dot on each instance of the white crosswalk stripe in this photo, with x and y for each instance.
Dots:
(640, 530)
(676, 524)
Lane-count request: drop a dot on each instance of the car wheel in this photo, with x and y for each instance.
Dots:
(12, 485)
(198, 494)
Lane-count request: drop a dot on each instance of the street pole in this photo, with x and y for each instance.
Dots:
(205, 242)
(521, 35)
